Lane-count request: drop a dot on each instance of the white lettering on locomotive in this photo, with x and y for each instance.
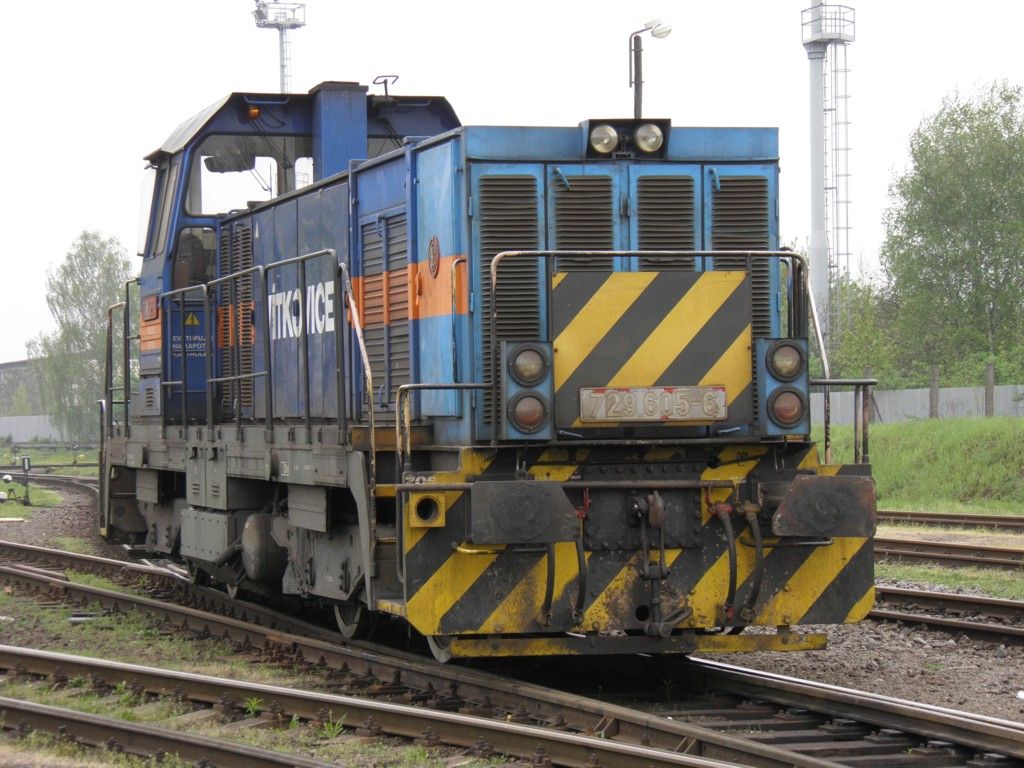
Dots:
(285, 319)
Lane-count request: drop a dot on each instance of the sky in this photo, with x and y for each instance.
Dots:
(90, 88)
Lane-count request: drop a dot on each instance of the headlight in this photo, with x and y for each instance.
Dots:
(527, 366)
(648, 137)
(786, 407)
(604, 139)
(527, 413)
(785, 361)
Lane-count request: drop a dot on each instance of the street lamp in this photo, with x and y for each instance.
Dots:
(636, 48)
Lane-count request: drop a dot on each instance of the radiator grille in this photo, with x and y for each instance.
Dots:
(385, 306)
(508, 221)
(584, 221)
(665, 221)
(234, 323)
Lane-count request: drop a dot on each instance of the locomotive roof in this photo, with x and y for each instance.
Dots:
(193, 126)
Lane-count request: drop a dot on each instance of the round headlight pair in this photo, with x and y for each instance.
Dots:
(647, 138)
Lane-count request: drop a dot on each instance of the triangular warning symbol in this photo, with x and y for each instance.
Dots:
(191, 319)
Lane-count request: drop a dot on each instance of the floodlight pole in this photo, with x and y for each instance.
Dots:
(282, 17)
(636, 61)
(638, 76)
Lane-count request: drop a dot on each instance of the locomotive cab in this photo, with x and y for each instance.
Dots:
(528, 390)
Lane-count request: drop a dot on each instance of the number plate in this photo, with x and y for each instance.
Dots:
(598, 404)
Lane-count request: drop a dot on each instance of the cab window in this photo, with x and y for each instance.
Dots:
(231, 172)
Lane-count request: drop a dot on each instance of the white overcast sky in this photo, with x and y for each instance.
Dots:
(89, 88)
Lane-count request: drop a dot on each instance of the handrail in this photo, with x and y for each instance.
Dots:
(231, 279)
(108, 372)
(126, 362)
(179, 294)
(794, 319)
(861, 415)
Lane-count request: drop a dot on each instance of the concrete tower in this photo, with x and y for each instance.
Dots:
(826, 31)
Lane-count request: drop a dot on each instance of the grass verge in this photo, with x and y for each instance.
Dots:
(944, 465)
(989, 581)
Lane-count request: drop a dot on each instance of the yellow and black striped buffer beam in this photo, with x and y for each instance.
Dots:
(651, 329)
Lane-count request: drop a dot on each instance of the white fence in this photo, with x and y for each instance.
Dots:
(22, 429)
(908, 404)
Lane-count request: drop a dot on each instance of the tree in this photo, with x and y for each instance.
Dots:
(78, 293)
(864, 338)
(955, 237)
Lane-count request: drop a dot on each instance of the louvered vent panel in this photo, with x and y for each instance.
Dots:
(234, 323)
(508, 221)
(584, 221)
(398, 301)
(665, 221)
(390, 348)
(740, 223)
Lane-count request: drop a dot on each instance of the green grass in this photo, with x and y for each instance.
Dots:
(47, 456)
(991, 581)
(72, 544)
(944, 465)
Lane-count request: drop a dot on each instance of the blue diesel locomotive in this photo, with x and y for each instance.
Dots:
(530, 390)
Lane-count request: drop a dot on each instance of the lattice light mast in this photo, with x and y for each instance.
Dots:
(826, 31)
(282, 17)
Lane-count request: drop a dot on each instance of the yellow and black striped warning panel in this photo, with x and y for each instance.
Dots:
(672, 341)
(456, 588)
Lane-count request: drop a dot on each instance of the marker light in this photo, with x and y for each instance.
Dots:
(786, 407)
(527, 413)
(785, 361)
(648, 137)
(527, 366)
(604, 138)
(254, 111)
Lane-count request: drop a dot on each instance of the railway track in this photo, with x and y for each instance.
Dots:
(987, 617)
(704, 725)
(138, 739)
(949, 554)
(994, 522)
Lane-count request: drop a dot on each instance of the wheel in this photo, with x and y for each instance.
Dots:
(354, 619)
(441, 647)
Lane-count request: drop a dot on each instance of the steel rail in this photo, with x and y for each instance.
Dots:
(476, 688)
(561, 747)
(946, 553)
(987, 734)
(969, 605)
(996, 522)
(139, 739)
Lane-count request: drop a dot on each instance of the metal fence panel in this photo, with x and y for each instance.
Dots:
(893, 406)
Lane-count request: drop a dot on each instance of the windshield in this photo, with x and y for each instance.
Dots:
(145, 206)
(231, 172)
